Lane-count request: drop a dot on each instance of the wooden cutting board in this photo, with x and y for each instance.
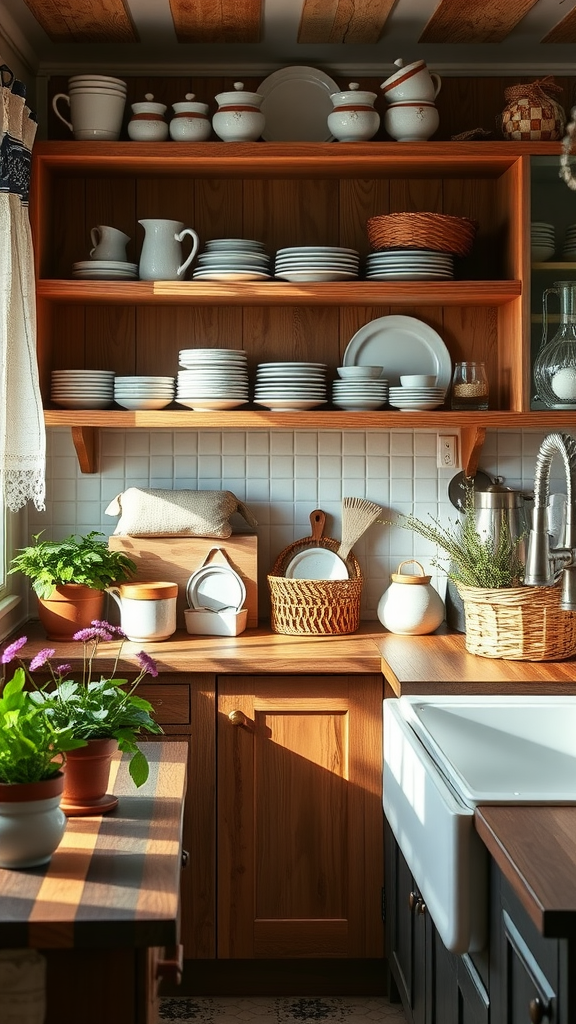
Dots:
(174, 559)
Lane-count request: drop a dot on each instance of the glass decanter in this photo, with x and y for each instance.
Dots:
(555, 364)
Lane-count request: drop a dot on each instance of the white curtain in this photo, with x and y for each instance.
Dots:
(22, 432)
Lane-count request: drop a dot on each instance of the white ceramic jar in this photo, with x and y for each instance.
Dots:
(238, 118)
(412, 121)
(190, 122)
(148, 123)
(353, 118)
(147, 610)
(410, 606)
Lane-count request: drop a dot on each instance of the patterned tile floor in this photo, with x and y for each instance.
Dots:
(280, 1010)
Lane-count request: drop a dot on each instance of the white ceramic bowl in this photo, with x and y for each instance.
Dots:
(412, 121)
(360, 372)
(418, 380)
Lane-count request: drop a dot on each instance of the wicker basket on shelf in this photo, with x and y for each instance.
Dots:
(327, 607)
(518, 623)
(439, 232)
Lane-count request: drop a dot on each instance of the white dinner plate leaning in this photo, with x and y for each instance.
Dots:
(316, 564)
(402, 345)
(216, 587)
(296, 105)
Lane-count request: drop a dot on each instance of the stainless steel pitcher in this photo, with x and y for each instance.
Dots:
(500, 508)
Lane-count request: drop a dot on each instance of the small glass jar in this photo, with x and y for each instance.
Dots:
(469, 387)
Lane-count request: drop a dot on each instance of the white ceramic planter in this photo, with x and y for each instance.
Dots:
(31, 822)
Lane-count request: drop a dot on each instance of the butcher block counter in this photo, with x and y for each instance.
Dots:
(107, 906)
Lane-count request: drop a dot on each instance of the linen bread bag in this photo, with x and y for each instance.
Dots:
(154, 512)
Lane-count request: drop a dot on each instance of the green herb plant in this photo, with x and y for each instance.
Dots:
(104, 708)
(473, 560)
(77, 559)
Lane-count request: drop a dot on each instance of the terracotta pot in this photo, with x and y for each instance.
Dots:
(71, 607)
(31, 822)
(86, 776)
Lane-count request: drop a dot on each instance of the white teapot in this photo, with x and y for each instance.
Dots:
(353, 118)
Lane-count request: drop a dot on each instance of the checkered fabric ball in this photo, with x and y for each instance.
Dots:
(523, 122)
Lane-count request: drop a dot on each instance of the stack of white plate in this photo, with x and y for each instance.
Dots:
(569, 249)
(360, 395)
(317, 263)
(409, 265)
(212, 378)
(143, 392)
(290, 387)
(233, 259)
(105, 270)
(416, 398)
(82, 389)
(542, 241)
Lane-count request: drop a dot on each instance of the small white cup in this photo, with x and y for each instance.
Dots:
(411, 82)
(94, 113)
(108, 243)
(411, 122)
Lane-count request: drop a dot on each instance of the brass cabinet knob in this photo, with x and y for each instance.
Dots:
(239, 718)
(416, 903)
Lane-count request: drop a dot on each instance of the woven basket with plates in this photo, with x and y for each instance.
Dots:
(518, 623)
(313, 606)
(438, 232)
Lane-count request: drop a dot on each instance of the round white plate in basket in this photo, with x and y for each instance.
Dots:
(215, 587)
(401, 344)
(317, 564)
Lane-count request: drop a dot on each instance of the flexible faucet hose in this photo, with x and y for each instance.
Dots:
(563, 445)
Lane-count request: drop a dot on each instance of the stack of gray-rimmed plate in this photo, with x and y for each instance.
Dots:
(409, 265)
(105, 270)
(360, 395)
(143, 392)
(82, 389)
(317, 263)
(233, 259)
(212, 378)
(290, 387)
(542, 241)
(416, 398)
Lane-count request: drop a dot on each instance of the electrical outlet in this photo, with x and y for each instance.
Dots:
(447, 451)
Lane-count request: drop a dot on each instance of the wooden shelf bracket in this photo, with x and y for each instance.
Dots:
(86, 443)
(471, 441)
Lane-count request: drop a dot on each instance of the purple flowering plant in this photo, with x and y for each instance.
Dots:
(91, 708)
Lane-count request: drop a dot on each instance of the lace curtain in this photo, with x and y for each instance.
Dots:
(22, 432)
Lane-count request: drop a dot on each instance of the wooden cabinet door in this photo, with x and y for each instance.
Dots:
(299, 816)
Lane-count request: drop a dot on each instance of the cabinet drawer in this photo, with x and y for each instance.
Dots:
(171, 702)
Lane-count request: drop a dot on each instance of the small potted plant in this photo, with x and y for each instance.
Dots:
(69, 578)
(102, 714)
(32, 754)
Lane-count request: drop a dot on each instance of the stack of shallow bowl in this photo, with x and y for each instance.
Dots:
(542, 243)
(233, 259)
(360, 388)
(417, 392)
(290, 387)
(82, 389)
(143, 392)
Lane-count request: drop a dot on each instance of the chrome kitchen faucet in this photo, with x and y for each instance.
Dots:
(545, 563)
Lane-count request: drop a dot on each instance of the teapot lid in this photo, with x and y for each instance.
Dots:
(252, 99)
(354, 96)
(148, 107)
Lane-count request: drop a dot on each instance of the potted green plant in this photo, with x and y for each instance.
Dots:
(32, 754)
(104, 713)
(69, 578)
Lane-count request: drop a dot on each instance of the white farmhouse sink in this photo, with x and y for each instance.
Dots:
(445, 755)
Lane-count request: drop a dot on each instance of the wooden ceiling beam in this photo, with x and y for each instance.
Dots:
(83, 21)
(343, 21)
(564, 31)
(217, 21)
(488, 22)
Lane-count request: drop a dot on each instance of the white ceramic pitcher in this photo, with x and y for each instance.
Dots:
(147, 610)
(108, 243)
(161, 256)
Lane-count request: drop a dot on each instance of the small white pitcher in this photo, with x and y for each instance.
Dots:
(147, 610)
(161, 256)
(108, 243)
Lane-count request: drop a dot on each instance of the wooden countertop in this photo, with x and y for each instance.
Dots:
(115, 878)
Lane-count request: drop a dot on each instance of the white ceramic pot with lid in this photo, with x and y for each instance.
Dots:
(190, 122)
(239, 118)
(147, 610)
(410, 606)
(353, 118)
(148, 123)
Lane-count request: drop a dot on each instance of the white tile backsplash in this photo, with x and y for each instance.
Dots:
(284, 476)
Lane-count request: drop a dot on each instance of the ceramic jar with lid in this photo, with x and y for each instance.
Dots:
(410, 606)
(190, 121)
(353, 118)
(238, 118)
(148, 123)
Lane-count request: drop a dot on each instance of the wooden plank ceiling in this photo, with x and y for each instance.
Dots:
(321, 21)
